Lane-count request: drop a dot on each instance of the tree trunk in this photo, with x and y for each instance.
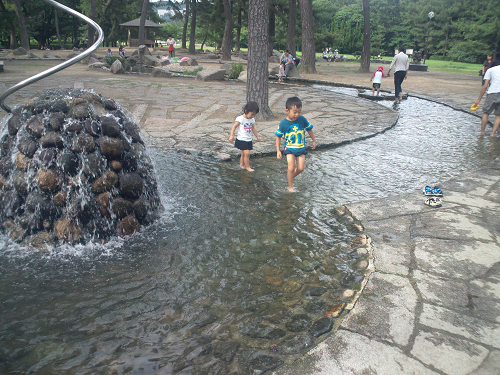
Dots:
(142, 23)
(238, 27)
(205, 37)
(58, 34)
(366, 52)
(105, 7)
(258, 60)
(185, 26)
(192, 34)
(308, 62)
(291, 45)
(75, 32)
(12, 28)
(272, 31)
(227, 43)
(91, 31)
(21, 22)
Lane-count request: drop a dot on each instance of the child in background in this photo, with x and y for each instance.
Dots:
(245, 124)
(377, 80)
(109, 52)
(292, 128)
(281, 72)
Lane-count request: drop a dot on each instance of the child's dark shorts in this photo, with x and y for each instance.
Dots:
(243, 145)
(296, 153)
(376, 86)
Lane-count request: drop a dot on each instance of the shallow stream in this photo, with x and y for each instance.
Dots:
(237, 271)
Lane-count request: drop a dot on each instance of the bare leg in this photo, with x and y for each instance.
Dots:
(495, 125)
(242, 161)
(378, 92)
(290, 158)
(246, 160)
(373, 91)
(484, 121)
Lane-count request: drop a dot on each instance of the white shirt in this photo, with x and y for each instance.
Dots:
(171, 41)
(493, 74)
(377, 78)
(245, 128)
(400, 62)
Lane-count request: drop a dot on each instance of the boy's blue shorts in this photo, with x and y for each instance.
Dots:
(298, 152)
(376, 86)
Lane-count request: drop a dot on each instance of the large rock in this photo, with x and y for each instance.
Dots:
(131, 185)
(128, 226)
(117, 68)
(212, 56)
(93, 165)
(67, 230)
(121, 207)
(83, 143)
(48, 179)
(56, 120)
(293, 72)
(274, 59)
(243, 76)
(111, 146)
(109, 126)
(32, 56)
(20, 51)
(35, 126)
(211, 75)
(14, 124)
(27, 146)
(52, 139)
(160, 72)
(105, 182)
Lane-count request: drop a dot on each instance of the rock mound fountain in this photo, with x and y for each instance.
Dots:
(73, 168)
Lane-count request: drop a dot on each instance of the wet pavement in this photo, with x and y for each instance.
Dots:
(431, 302)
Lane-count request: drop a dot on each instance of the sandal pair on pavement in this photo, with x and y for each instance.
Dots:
(433, 192)
(433, 202)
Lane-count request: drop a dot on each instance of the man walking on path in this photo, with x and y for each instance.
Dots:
(401, 64)
(492, 102)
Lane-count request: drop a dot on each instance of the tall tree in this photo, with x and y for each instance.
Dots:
(238, 26)
(308, 50)
(185, 26)
(227, 43)
(290, 30)
(192, 34)
(58, 34)
(142, 24)
(12, 28)
(91, 31)
(21, 23)
(258, 59)
(366, 51)
(272, 29)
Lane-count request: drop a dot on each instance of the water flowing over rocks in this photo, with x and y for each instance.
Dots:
(73, 169)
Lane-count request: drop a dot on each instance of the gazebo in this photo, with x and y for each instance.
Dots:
(134, 24)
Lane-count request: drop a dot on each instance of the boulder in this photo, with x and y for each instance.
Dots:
(121, 207)
(27, 146)
(243, 56)
(98, 65)
(153, 61)
(79, 111)
(160, 72)
(35, 126)
(68, 162)
(115, 165)
(83, 143)
(56, 120)
(293, 72)
(40, 240)
(48, 55)
(227, 67)
(128, 226)
(103, 202)
(14, 124)
(212, 56)
(46, 158)
(210, 75)
(58, 106)
(131, 185)
(60, 198)
(109, 126)
(243, 76)
(105, 182)
(67, 230)
(19, 51)
(111, 147)
(32, 56)
(93, 165)
(274, 59)
(117, 68)
(52, 139)
(22, 162)
(48, 179)
(14, 231)
(20, 183)
(92, 127)
(72, 54)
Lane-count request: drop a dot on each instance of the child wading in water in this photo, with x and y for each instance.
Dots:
(292, 128)
(245, 124)
(377, 80)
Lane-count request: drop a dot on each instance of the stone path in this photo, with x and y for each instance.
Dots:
(431, 306)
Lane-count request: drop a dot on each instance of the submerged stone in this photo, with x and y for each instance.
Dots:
(226, 350)
(298, 323)
(321, 327)
(295, 344)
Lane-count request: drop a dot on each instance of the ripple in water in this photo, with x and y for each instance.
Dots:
(235, 265)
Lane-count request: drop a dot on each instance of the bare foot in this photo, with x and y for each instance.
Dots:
(242, 166)
(250, 169)
(291, 190)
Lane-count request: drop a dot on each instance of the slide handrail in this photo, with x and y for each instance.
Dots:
(61, 66)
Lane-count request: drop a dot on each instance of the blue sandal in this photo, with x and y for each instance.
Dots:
(428, 191)
(437, 191)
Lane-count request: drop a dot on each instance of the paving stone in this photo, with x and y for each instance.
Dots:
(443, 291)
(451, 355)
(490, 366)
(392, 258)
(348, 353)
(385, 311)
(460, 323)
(458, 258)
(384, 208)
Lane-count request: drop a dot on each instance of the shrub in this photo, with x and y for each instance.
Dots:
(192, 72)
(235, 71)
(111, 59)
(467, 51)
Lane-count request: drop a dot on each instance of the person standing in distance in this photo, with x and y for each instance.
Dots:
(401, 64)
(492, 102)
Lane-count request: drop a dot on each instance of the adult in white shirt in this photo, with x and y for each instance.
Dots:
(401, 64)
(492, 102)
